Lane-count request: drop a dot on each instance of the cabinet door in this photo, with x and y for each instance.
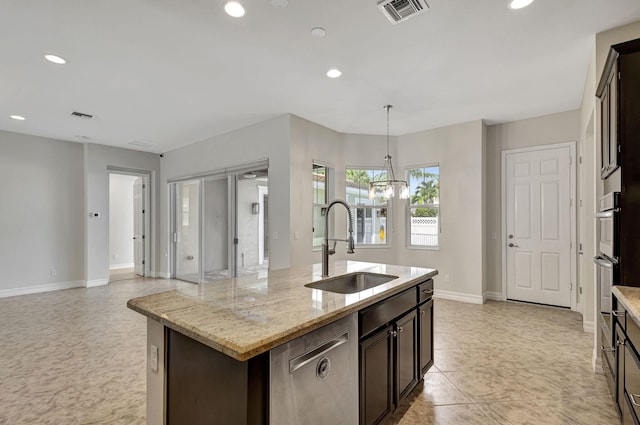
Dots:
(425, 337)
(406, 354)
(376, 376)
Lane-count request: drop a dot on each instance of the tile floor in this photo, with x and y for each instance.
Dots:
(78, 357)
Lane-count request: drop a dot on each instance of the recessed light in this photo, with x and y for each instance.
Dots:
(55, 59)
(334, 73)
(17, 117)
(318, 32)
(519, 4)
(233, 8)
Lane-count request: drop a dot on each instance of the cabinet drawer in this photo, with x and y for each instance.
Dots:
(425, 291)
(633, 334)
(385, 311)
(632, 378)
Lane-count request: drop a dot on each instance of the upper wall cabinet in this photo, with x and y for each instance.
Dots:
(608, 95)
(619, 96)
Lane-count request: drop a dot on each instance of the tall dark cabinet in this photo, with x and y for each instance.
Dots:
(618, 215)
(619, 94)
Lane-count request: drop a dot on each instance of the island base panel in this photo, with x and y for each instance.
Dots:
(205, 386)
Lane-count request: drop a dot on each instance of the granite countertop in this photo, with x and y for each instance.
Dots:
(629, 297)
(249, 315)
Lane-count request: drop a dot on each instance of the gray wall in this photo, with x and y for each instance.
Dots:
(41, 210)
(97, 160)
(267, 140)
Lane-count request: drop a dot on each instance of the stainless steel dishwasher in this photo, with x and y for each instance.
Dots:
(314, 378)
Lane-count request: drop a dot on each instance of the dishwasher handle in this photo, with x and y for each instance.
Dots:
(306, 358)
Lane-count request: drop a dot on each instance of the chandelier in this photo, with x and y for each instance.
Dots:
(390, 187)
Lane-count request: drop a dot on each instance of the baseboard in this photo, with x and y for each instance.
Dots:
(492, 295)
(13, 292)
(97, 282)
(458, 296)
(597, 363)
(163, 275)
(122, 266)
(589, 327)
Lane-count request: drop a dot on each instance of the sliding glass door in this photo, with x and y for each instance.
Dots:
(217, 246)
(220, 225)
(187, 230)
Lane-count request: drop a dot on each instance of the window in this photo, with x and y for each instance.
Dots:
(370, 216)
(423, 226)
(320, 184)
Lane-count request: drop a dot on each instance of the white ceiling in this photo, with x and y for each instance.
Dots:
(173, 72)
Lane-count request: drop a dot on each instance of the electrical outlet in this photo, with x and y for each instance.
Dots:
(494, 236)
(54, 272)
(446, 278)
(296, 235)
(153, 358)
(275, 236)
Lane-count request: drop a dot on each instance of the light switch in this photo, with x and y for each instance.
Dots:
(153, 358)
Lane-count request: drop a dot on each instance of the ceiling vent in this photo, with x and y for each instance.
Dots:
(81, 115)
(401, 10)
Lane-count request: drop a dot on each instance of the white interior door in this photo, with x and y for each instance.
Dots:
(138, 225)
(538, 226)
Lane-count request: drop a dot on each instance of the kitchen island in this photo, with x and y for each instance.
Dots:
(221, 334)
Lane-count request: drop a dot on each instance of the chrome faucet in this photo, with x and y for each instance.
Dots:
(326, 252)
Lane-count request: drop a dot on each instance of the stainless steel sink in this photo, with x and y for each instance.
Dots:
(352, 282)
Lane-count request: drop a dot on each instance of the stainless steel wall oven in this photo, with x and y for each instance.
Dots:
(608, 270)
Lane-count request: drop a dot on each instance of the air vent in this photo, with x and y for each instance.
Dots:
(81, 115)
(401, 10)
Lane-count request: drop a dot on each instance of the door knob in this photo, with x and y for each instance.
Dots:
(510, 236)
(512, 245)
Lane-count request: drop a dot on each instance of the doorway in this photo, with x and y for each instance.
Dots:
(128, 208)
(539, 216)
(220, 225)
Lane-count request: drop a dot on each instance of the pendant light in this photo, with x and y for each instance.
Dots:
(390, 187)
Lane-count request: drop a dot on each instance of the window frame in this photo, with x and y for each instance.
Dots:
(329, 191)
(410, 207)
(388, 205)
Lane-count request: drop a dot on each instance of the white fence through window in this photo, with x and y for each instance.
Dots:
(424, 231)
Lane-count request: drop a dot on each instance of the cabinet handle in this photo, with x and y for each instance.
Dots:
(633, 399)
(393, 333)
(400, 329)
(618, 313)
(422, 312)
(620, 342)
(607, 349)
(427, 291)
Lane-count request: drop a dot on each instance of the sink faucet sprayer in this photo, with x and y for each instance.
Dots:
(326, 252)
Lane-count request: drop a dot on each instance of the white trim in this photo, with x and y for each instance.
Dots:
(162, 275)
(588, 327)
(13, 292)
(597, 363)
(121, 266)
(262, 190)
(97, 282)
(573, 217)
(458, 296)
(493, 295)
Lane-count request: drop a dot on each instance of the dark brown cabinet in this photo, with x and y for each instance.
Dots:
(619, 95)
(425, 358)
(406, 359)
(396, 349)
(376, 376)
(627, 390)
